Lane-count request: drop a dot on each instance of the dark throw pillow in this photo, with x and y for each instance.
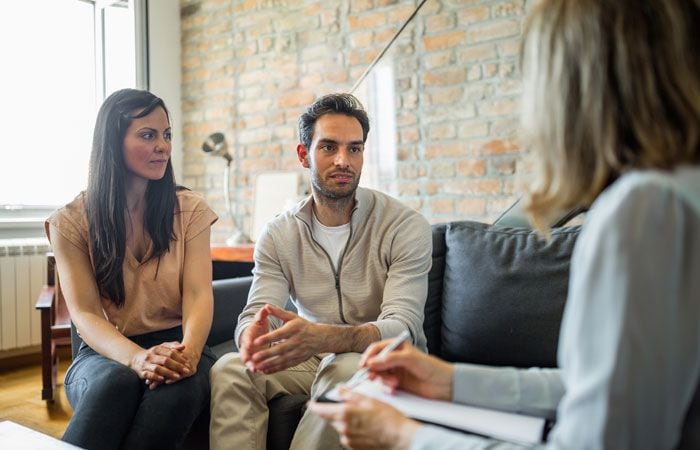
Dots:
(503, 294)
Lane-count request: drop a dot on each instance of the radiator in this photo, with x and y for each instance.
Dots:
(22, 274)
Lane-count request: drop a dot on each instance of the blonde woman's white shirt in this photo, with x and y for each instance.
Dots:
(629, 348)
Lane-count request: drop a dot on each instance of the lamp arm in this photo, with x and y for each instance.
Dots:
(227, 194)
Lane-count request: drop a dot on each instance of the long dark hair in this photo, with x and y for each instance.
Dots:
(106, 192)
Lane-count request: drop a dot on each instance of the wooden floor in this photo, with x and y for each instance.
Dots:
(20, 400)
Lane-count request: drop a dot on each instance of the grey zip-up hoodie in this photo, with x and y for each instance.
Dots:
(382, 277)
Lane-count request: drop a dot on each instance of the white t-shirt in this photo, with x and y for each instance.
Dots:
(332, 239)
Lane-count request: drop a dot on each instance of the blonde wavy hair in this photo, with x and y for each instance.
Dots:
(608, 86)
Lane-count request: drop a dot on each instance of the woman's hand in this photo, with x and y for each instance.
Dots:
(409, 369)
(164, 363)
(365, 423)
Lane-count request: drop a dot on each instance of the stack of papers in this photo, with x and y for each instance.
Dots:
(500, 425)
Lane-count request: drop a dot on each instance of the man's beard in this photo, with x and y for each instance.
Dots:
(341, 193)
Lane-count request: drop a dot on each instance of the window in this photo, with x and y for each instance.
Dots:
(376, 92)
(60, 59)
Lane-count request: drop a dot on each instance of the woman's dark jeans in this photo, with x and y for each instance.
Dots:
(113, 408)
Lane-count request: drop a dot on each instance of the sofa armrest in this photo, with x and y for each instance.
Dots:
(230, 296)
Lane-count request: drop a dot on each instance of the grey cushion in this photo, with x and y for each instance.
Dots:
(504, 291)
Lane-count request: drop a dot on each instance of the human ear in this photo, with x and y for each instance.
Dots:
(303, 155)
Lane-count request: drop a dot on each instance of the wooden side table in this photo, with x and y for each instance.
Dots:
(237, 253)
(232, 261)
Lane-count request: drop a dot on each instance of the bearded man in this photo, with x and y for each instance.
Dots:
(355, 264)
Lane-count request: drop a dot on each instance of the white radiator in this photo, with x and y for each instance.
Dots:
(22, 274)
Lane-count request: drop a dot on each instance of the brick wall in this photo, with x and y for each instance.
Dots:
(250, 67)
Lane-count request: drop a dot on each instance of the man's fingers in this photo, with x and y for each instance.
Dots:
(273, 336)
(270, 352)
(282, 314)
(261, 315)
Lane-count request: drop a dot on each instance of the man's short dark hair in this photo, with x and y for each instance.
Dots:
(345, 104)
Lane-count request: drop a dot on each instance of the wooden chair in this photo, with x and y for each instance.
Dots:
(55, 327)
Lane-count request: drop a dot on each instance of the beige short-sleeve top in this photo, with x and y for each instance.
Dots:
(153, 290)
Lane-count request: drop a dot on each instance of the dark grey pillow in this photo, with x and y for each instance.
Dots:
(503, 295)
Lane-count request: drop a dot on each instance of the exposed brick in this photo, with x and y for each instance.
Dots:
(471, 15)
(295, 98)
(361, 38)
(443, 41)
(399, 14)
(471, 206)
(484, 186)
(258, 165)
(442, 170)
(476, 53)
(405, 152)
(446, 150)
(442, 205)
(471, 167)
(493, 30)
(509, 8)
(367, 21)
(503, 166)
(441, 132)
(499, 107)
(360, 5)
(499, 147)
(438, 60)
(441, 22)
(511, 48)
(444, 77)
(442, 96)
(468, 130)
(409, 135)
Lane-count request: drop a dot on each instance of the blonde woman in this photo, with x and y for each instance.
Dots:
(612, 109)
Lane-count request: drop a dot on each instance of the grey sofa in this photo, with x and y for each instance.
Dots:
(496, 296)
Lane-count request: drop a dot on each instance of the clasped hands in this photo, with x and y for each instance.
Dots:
(164, 363)
(268, 351)
(365, 423)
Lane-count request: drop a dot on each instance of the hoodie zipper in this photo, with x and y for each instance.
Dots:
(336, 273)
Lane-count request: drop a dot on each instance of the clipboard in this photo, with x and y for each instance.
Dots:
(505, 426)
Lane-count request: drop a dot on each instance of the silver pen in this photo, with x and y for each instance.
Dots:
(362, 374)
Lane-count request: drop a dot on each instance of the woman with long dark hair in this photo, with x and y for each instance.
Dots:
(611, 108)
(134, 263)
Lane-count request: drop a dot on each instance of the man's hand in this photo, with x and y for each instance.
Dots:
(365, 423)
(259, 327)
(409, 369)
(293, 343)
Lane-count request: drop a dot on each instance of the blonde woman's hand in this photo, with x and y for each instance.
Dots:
(409, 369)
(365, 423)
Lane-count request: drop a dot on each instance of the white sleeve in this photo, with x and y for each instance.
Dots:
(430, 437)
(630, 342)
(532, 391)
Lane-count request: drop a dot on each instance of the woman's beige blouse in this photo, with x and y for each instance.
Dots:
(152, 302)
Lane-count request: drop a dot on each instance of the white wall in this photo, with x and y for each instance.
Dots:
(164, 67)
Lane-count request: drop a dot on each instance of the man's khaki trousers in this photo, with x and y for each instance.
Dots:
(239, 401)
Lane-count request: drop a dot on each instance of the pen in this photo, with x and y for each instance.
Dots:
(362, 374)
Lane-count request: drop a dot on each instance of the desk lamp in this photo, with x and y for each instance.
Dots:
(216, 145)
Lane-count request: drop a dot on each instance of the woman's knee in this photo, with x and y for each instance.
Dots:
(112, 383)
